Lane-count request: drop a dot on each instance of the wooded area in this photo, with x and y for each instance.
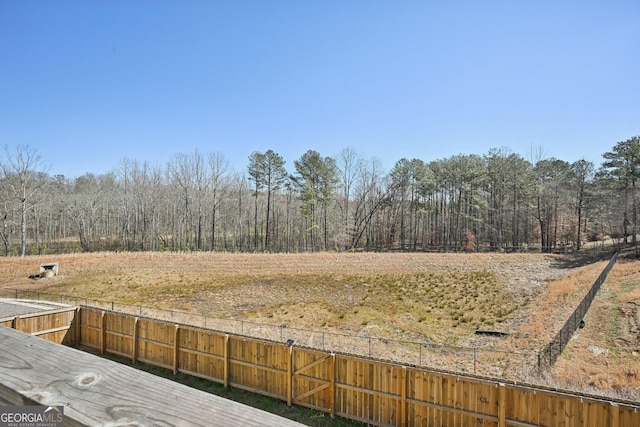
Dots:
(196, 202)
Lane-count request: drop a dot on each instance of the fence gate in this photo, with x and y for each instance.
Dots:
(313, 379)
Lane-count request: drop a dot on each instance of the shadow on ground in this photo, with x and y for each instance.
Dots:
(590, 256)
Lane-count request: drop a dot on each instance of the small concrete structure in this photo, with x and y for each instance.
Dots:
(52, 266)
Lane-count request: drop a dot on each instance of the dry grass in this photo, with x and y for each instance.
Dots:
(550, 310)
(440, 298)
(605, 355)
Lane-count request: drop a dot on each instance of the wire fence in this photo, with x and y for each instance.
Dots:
(548, 356)
(485, 361)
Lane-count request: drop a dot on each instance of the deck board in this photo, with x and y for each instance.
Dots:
(96, 391)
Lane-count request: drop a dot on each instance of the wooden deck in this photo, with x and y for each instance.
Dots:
(96, 391)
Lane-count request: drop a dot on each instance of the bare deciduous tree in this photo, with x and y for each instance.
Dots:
(25, 177)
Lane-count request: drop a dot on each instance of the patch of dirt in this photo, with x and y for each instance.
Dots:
(631, 319)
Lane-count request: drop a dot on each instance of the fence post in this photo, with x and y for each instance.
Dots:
(474, 360)
(103, 333)
(502, 405)
(561, 345)
(77, 330)
(290, 376)
(615, 415)
(134, 350)
(539, 361)
(226, 360)
(403, 397)
(176, 348)
(332, 388)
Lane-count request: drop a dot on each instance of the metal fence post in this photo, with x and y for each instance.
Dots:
(561, 343)
(474, 360)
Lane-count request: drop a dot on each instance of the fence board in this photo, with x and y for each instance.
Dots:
(52, 325)
(90, 327)
(437, 399)
(312, 378)
(367, 390)
(202, 353)
(119, 334)
(259, 365)
(155, 343)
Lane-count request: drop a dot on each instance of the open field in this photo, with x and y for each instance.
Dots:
(432, 298)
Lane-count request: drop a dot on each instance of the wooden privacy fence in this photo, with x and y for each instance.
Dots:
(53, 325)
(363, 389)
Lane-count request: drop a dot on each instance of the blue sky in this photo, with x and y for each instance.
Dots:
(89, 83)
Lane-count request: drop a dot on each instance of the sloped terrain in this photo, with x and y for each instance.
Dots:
(604, 356)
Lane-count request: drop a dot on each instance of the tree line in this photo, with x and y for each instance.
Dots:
(499, 201)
